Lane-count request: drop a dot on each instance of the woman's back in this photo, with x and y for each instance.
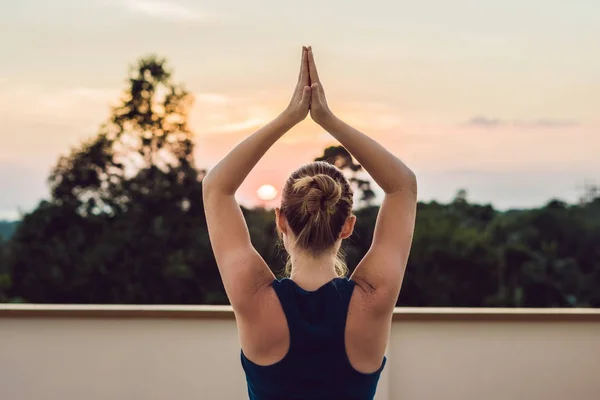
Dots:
(311, 345)
(315, 365)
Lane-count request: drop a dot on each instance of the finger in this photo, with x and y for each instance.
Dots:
(314, 75)
(306, 93)
(304, 61)
(304, 74)
(314, 93)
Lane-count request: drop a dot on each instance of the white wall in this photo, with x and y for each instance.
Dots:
(496, 360)
(448, 355)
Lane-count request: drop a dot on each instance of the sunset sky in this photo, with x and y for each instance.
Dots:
(499, 97)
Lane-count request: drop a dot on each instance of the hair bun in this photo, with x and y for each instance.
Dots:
(321, 193)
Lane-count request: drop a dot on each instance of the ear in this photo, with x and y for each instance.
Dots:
(280, 221)
(348, 227)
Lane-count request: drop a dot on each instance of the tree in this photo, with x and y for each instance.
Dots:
(341, 158)
(4, 275)
(461, 197)
(3, 250)
(145, 150)
(125, 221)
(7, 228)
(591, 192)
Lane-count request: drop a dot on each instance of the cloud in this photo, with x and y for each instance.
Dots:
(65, 105)
(77, 104)
(240, 126)
(487, 122)
(220, 113)
(211, 98)
(163, 9)
(85, 108)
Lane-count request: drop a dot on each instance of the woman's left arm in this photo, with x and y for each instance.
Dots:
(243, 271)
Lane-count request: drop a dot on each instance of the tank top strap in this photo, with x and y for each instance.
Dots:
(284, 289)
(343, 289)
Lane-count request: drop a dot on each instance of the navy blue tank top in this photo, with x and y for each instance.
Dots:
(316, 366)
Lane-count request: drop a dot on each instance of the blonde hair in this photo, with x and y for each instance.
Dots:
(316, 201)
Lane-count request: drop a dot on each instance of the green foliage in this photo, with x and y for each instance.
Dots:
(125, 224)
(7, 228)
(4, 276)
(469, 255)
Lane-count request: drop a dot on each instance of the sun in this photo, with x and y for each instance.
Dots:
(266, 192)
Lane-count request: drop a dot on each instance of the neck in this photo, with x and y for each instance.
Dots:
(310, 272)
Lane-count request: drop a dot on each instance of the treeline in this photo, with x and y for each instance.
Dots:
(7, 228)
(125, 224)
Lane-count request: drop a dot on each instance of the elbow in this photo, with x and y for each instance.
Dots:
(211, 187)
(206, 181)
(208, 185)
(411, 181)
(406, 182)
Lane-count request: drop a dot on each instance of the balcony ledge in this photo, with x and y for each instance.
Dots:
(225, 312)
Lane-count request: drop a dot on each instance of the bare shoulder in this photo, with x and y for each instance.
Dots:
(367, 329)
(263, 328)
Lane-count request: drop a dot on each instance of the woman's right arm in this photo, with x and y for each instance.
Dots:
(382, 269)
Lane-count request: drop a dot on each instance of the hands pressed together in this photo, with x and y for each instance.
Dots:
(309, 94)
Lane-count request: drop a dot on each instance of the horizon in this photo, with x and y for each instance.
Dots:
(499, 99)
(270, 206)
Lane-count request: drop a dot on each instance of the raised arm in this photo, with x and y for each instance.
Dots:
(382, 269)
(243, 271)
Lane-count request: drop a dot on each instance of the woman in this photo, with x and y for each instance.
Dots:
(317, 334)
